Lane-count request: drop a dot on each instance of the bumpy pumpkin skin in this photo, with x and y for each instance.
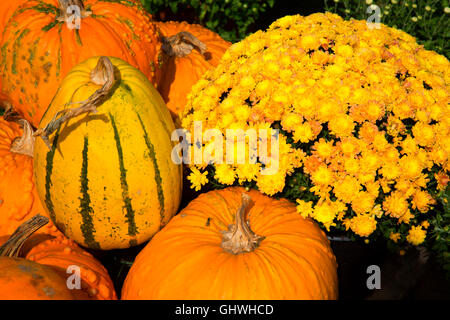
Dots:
(21, 279)
(181, 73)
(19, 200)
(62, 253)
(7, 8)
(38, 51)
(185, 260)
(109, 181)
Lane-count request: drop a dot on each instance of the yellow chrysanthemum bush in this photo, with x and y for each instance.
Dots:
(362, 116)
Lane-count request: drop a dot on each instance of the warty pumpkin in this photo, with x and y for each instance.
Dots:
(7, 8)
(235, 244)
(40, 46)
(189, 51)
(34, 266)
(106, 177)
(19, 200)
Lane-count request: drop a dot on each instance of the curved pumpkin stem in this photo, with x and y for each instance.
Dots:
(11, 248)
(239, 238)
(25, 144)
(102, 74)
(66, 13)
(182, 44)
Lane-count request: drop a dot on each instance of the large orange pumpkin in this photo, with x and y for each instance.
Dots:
(189, 51)
(37, 267)
(40, 45)
(234, 244)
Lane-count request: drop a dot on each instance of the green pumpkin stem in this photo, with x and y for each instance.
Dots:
(11, 248)
(66, 13)
(240, 238)
(182, 44)
(102, 74)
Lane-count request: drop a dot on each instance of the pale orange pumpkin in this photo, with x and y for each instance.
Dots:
(36, 267)
(235, 244)
(189, 51)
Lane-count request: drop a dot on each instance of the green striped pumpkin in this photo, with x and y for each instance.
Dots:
(107, 178)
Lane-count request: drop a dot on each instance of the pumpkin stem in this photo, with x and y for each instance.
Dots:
(11, 248)
(239, 238)
(182, 44)
(67, 12)
(25, 144)
(102, 74)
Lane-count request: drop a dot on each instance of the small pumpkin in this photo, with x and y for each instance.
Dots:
(103, 170)
(189, 51)
(41, 44)
(19, 200)
(41, 274)
(235, 244)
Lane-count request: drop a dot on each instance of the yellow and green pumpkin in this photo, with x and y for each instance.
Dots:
(107, 178)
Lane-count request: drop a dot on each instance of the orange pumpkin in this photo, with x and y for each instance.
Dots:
(7, 8)
(234, 244)
(42, 42)
(41, 270)
(189, 51)
(19, 200)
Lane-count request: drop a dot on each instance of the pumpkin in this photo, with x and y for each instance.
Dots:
(19, 200)
(235, 244)
(189, 51)
(40, 46)
(41, 270)
(107, 179)
(7, 8)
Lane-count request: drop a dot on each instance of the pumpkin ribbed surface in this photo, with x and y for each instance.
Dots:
(108, 180)
(186, 260)
(38, 50)
(180, 73)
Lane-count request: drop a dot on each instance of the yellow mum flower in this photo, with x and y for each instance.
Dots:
(322, 176)
(225, 174)
(324, 213)
(303, 133)
(362, 224)
(271, 184)
(197, 179)
(416, 235)
(394, 236)
(395, 204)
(305, 208)
(323, 149)
(342, 125)
(422, 201)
